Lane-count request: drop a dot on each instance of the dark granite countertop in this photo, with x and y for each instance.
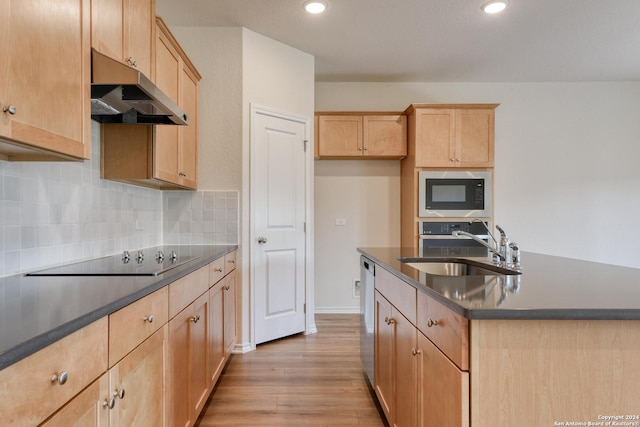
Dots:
(549, 287)
(37, 311)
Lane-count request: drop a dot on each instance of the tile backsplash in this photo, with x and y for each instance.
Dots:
(58, 212)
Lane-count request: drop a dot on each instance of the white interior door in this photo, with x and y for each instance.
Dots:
(279, 197)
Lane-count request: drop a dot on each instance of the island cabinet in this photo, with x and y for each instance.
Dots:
(160, 156)
(45, 64)
(361, 135)
(452, 136)
(123, 30)
(418, 382)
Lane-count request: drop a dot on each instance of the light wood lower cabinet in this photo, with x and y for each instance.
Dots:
(88, 409)
(443, 389)
(230, 332)
(188, 362)
(52, 376)
(415, 382)
(217, 356)
(137, 384)
(134, 367)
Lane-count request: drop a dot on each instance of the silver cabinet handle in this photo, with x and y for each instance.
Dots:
(218, 270)
(195, 318)
(415, 351)
(132, 62)
(182, 174)
(11, 109)
(431, 322)
(389, 320)
(118, 394)
(60, 378)
(261, 240)
(109, 403)
(226, 288)
(148, 318)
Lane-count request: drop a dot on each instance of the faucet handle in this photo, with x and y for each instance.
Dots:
(515, 255)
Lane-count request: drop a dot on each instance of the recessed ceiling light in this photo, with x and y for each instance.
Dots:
(315, 6)
(494, 6)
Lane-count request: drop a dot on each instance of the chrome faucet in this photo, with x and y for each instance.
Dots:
(505, 253)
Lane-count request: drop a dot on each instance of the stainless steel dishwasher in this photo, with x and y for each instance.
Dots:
(367, 316)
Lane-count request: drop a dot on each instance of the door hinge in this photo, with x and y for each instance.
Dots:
(304, 226)
(306, 141)
(304, 308)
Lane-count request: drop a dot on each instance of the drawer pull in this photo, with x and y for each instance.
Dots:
(431, 322)
(109, 403)
(60, 378)
(226, 288)
(118, 394)
(389, 320)
(218, 270)
(233, 261)
(415, 351)
(148, 318)
(194, 319)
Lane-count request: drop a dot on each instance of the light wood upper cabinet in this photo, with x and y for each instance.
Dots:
(461, 136)
(45, 66)
(357, 135)
(160, 156)
(124, 30)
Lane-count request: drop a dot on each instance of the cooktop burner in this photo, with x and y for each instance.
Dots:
(148, 262)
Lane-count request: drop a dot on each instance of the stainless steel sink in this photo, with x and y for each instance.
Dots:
(457, 268)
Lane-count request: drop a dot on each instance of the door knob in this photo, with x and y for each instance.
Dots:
(262, 240)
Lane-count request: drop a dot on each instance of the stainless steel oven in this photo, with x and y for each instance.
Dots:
(436, 239)
(454, 194)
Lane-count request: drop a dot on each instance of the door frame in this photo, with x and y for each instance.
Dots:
(255, 109)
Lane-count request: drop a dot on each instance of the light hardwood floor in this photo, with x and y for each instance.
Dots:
(312, 380)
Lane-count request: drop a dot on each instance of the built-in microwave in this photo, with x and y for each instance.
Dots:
(454, 194)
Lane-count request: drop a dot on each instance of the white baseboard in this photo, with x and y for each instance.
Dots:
(240, 348)
(337, 310)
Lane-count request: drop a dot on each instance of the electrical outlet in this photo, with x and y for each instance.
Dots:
(356, 288)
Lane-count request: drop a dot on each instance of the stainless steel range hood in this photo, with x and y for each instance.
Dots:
(122, 94)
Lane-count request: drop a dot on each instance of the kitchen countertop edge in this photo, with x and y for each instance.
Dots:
(504, 314)
(34, 344)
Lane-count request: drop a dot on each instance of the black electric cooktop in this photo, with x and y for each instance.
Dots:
(146, 262)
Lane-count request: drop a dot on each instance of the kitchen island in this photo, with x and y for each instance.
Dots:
(556, 345)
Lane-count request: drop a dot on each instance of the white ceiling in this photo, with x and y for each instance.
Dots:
(441, 40)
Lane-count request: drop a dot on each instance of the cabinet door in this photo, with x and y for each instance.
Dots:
(189, 389)
(385, 136)
(340, 136)
(230, 312)
(216, 332)
(46, 75)
(474, 137)
(106, 27)
(434, 134)
(88, 409)
(443, 393)
(384, 355)
(406, 367)
(188, 135)
(138, 28)
(139, 380)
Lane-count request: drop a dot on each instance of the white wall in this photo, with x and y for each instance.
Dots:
(240, 68)
(566, 172)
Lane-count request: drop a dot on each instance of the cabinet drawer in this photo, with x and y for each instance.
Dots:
(28, 395)
(216, 271)
(136, 322)
(447, 330)
(184, 291)
(399, 293)
(230, 262)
